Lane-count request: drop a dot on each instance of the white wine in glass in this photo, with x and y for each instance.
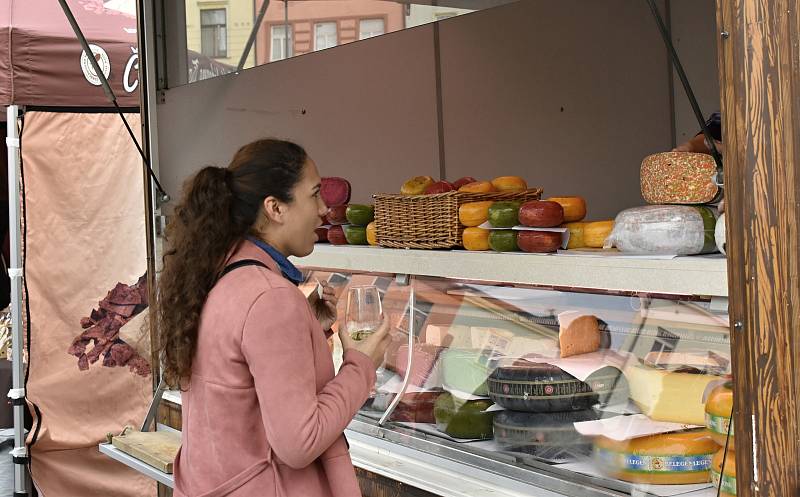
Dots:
(363, 315)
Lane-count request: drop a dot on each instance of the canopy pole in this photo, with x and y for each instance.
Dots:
(17, 393)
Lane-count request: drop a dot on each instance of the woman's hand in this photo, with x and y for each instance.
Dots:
(374, 346)
(325, 307)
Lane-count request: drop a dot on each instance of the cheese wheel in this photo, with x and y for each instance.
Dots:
(578, 333)
(461, 418)
(574, 207)
(669, 396)
(596, 232)
(541, 214)
(475, 238)
(668, 459)
(575, 235)
(547, 436)
(509, 184)
(726, 477)
(718, 414)
(372, 236)
(665, 229)
(539, 242)
(477, 187)
(474, 213)
(538, 387)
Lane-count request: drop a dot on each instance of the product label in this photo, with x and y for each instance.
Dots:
(623, 461)
(728, 482)
(719, 424)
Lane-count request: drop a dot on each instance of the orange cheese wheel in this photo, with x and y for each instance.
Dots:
(474, 213)
(718, 412)
(575, 235)
(596, 232)
(509, 184)
(476, 239)
(724, 476)
(669, 459)
(477, 187)
(574, 207)
(372, 238)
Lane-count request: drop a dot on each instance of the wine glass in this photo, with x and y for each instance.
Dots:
(363, 315)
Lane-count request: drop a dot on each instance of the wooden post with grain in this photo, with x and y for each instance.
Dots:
(759, 56)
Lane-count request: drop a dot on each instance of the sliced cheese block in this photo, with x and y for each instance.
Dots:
(668, 459)
(669, 396)
(578, 333)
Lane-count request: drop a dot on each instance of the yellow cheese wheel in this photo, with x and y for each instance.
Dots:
(371, 236)
(476, 239)
(574, 207)
(667, 395)
(725, 476)
(718, 414)
(575, 235)
(474, 213)
(596, 232)
(509, 184)
(669, 459)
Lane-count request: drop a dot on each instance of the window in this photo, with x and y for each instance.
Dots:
(214, 33)
(367, 28)
(281, 43)
(324, 35)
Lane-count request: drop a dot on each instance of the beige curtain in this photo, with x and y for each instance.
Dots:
(86, 237)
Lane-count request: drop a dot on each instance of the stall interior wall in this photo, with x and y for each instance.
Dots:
(570, 95)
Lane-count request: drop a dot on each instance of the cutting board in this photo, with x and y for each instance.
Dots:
(158, 448)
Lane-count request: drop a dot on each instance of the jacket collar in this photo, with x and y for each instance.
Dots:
(288, 270)
(249, 250)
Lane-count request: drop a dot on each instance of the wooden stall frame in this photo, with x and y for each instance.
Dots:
(759, 60)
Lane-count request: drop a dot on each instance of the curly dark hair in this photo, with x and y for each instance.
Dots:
(219, 207)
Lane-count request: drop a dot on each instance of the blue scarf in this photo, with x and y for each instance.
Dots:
(288, 270)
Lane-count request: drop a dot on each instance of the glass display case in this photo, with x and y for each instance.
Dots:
(576, 390)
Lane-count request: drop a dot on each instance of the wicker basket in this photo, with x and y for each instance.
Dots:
(429, 221)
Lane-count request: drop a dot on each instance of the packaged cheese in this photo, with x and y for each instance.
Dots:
(668, 459)
(664, 229)
(667, 395)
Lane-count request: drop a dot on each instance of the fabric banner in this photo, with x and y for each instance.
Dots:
(86, 258)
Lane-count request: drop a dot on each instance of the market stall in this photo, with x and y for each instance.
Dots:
(575, 341)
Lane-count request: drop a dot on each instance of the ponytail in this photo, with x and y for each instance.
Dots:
(219, 207)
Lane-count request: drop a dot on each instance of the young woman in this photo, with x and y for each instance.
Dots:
(263, 412)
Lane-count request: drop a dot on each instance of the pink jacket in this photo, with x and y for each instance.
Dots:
(264, 412)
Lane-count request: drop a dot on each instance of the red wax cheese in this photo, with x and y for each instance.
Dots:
(539, 242)
(335, 191)
(541, 214)
(336, 235)
(337, 214)
(322, 234)
(439, 187)
(463, 181)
